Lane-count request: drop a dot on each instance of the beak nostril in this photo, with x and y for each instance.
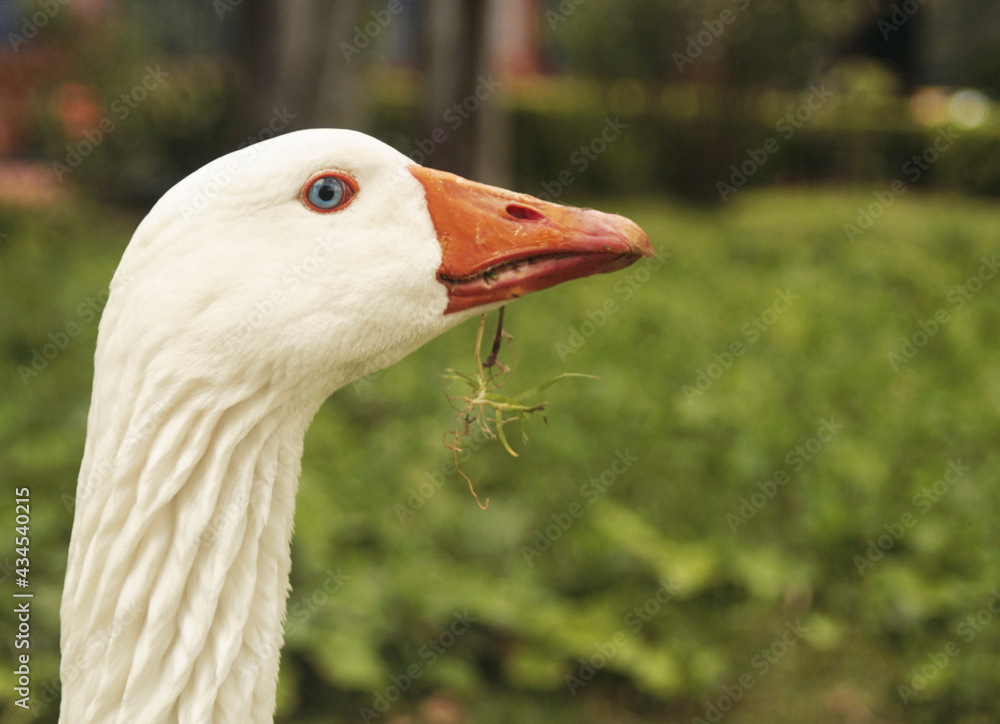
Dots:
(525, 213)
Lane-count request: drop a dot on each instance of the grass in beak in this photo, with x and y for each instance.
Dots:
(485, 407)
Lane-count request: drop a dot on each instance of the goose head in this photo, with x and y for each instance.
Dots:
(321, 255)
(252, 290)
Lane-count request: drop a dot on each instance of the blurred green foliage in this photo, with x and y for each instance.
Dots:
(682, 138)
(735, 42)
(629, 497)
(849, 127)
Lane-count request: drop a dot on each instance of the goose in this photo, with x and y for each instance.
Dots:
(252, 290)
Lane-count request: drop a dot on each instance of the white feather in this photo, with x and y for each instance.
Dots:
(228, 324)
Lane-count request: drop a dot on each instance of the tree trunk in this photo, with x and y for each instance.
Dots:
(291, 60)
(463, 122)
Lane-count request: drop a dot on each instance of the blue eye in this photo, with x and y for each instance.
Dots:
(328, 192)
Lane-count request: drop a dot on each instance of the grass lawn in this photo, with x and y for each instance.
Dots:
(778, 503)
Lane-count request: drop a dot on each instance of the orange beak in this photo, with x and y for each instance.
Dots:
(498, 245)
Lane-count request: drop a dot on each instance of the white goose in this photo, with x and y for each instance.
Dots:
(254, 288)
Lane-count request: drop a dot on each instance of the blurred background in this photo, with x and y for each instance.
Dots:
(778, 503)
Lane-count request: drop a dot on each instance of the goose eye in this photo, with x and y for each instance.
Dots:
(328, 192)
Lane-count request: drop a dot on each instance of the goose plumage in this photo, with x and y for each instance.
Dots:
(252, 290)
